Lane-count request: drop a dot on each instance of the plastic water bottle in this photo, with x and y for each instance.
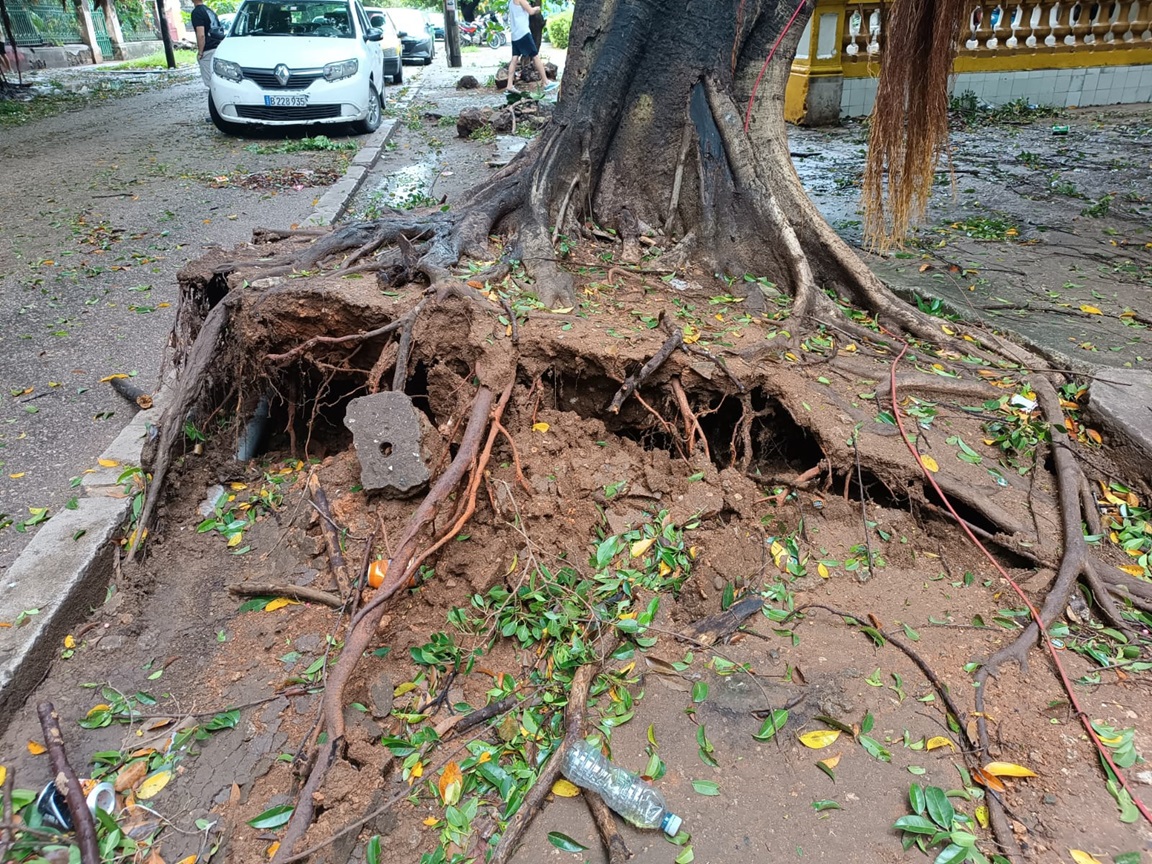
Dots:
(622, 790)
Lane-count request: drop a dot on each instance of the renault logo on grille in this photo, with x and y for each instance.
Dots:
(282, 73)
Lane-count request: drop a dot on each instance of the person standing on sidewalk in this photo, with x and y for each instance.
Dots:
(522, 43)
(209, 35)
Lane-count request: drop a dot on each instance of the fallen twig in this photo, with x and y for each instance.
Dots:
(293, 592)
(618, 851)
(633, 381)
(550, 771)
(331, 537)
(68, 784)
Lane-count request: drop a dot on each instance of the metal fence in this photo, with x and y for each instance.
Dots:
(50, 23)
(137, 20)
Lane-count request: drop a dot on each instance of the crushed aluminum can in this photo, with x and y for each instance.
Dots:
(1059, 130)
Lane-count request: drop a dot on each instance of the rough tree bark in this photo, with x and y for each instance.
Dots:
(670, 126)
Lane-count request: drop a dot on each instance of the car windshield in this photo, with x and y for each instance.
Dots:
(325, 18)
(408, 21)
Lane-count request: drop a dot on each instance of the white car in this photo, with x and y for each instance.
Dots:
(289, 62)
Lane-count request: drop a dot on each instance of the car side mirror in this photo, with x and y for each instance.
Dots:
(402, 33)
(374, 34)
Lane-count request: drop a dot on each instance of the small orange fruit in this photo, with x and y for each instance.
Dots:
(377, 572)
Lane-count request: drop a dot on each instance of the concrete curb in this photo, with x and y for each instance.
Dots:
(63, 572)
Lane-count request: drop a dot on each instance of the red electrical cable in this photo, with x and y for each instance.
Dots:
(1031, 608)
(764, 68)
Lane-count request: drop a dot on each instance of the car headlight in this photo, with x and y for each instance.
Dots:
(227, 69)
(343, 69)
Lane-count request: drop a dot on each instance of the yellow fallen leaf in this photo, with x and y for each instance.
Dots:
(563, 310)
(153, 783)
(691, 334)
(1133, 570)
(3, 774)
(1091, 310)
(187, 859)
(1094, 435)
(779, 554)
(563, 789)
(236, 487)
(1083, 857)
(402, 688)
(431, 821)
(1008, 769)
(17, 476)
(108, 378)
(36, 748)
(831, 762)
(415, 773)
(665, 569)
(451, 784)
(939, 741)
(817, 739)
(279, 602)
(947, 329)
(642, 546)
(982, 816)
(822, 570)
(107, 463)
(272, 849)
(540, 427)
(929, 463)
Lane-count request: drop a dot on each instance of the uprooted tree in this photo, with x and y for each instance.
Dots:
(669, 149)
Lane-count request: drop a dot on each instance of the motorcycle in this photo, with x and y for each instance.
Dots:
(483, 31)
(470, 34)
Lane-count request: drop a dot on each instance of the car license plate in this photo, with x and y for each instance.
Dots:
(286, 101)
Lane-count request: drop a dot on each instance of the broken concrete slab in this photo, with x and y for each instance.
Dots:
(1122, 400)
(389, 435)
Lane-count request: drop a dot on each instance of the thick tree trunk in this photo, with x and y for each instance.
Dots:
(672, 121)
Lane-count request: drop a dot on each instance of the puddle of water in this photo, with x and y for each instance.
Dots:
(404, 188)
(507, 146)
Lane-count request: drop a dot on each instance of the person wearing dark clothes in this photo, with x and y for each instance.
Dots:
(209, 35)
(468, 10)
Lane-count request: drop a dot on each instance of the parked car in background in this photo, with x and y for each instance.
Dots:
(436, 22)
(415, 34)
(389, 43)
(226, 20)
(289, 62)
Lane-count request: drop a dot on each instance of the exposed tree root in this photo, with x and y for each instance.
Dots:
(192, 384)
(401, 569)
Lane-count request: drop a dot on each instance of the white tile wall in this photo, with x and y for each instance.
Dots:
(1108, 85)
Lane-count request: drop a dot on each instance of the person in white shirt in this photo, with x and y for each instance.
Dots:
(523, 44)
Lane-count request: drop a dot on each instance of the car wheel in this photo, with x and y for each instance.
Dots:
(371, 122)
(219, 122)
